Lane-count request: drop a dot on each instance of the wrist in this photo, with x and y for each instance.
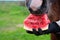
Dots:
(58, 23)
(54, 27)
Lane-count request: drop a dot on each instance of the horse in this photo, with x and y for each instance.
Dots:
(51, 7)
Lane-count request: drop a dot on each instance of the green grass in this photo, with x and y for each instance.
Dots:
(11, 24)
(20, 34)
(12, 14)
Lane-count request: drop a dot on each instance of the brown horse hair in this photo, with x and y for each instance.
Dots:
(53, 13)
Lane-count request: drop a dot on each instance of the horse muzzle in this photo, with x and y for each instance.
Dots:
(38, 11)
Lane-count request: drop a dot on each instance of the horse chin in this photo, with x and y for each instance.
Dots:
(37, 13)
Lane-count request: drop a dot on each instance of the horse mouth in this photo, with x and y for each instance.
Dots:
(38, 11)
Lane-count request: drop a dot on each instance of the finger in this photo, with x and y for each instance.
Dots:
(40, 31)
(30, 32)
(36, 32)
(43, 32)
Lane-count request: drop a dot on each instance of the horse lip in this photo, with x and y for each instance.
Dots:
(36, 14)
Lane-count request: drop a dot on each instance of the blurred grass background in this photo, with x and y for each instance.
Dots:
(11, 23)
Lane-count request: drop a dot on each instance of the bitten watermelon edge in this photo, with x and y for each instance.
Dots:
(36, 21)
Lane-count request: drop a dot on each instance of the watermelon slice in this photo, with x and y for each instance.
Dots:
(36, 21)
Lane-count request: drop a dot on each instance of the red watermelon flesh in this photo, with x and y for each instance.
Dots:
(36, 21)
